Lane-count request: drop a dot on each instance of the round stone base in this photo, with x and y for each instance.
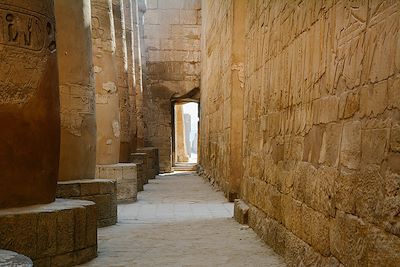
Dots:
(62, 233)
(101, 191)
(11, 258)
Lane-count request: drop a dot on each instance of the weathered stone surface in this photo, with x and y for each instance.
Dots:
(320, 127)
(51, 234)
(77, 90)
(10, 258)
(106, 83)
(125, 177)
(171, 66)
(101, 191)
(241, 212)
(29, 103)
(153, 165)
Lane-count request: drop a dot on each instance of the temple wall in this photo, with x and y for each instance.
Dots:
(320, 125)
(222, 101)
(171, 67)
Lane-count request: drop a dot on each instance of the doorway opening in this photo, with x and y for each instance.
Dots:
(186, 133)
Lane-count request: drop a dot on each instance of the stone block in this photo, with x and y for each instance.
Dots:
(395, 138)
(241, 211)
(316, 230)
(394, 92)
(47, 230)
(103, 206)
(374, 145)
(373, 99)
(331, 144)
(349, 239)
(17, 232)
(188, 17)
(350, 152)
(52, 234)
(394, 162)
(85, 255)
(80, 229)
(349, 104)
(65, 231)
(91, 226)
(101, 191)
(125, 175)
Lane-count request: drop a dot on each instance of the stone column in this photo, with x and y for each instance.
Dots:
(109, 57)
(121, 56)
(129, 32)
(78, 120)
(107, 99)
(44, 230)
(77, 92)
(138, 44)
(29, 103)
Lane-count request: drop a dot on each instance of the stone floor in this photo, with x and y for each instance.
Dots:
(179, 220)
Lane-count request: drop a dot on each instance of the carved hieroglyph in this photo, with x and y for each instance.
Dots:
(321, 116)
(25, 37)
(29, 103)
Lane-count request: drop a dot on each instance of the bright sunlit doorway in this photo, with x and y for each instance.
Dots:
(186, 123)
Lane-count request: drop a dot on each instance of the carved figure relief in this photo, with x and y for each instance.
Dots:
(24, 37)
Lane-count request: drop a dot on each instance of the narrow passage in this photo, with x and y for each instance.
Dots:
(179, 220)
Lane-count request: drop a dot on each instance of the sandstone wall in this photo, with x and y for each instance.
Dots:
(171, 66)
(222, 101)
(321, 161)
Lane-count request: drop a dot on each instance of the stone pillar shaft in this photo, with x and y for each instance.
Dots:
(121, 56)
(29, 103)
(138, 42)
(107, 99)
(77, 92)
(129, 31)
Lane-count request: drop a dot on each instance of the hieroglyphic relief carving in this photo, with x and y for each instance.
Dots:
(81, 103)
(25, 35)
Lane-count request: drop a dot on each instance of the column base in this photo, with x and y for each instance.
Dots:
(141, 160)
(153, 161)
(125, 174)
(62, 233)
(11, 258)
(101, 191)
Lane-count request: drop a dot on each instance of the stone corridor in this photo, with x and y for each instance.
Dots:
(179, 220)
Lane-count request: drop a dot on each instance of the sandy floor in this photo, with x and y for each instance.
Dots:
(179, 220)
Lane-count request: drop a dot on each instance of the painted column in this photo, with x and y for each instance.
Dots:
(77, 91)
(29, 103)
(107, 99)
